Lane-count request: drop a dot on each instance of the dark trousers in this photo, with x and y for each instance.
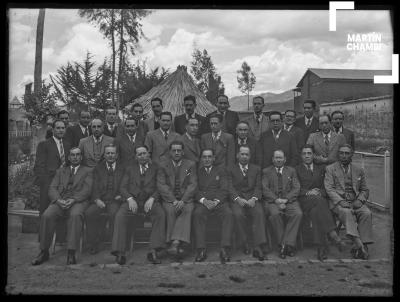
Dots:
(317, 209)
(95, 223)
(200, 215)
(44, 200)
(49, 219)
(122, 220)
(257, 216)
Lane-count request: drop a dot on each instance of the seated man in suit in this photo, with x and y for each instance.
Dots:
(290, 118)
(212, 196)
(107, 176)
(258, 122)
(280, 190)
(347, 190)
(158, 141)
(229, 118)
(177, 185)
(242, 139)
(137, 114)
(180, 121)
(190, 141)
(112, 128)
(92, 147)
(278, 139)
(68, 193)
(140, 195)
(80, 130)
(222, 143)
(325, 142)
(312, 199)
(308, 123)
(337, 123)
(245, 192)
(127, 142)
(153, 123)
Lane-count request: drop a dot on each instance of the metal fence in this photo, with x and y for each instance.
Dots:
(16, 133)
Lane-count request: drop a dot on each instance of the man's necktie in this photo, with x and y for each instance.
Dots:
(308, 123)
(244, 172)
(166, 136)
(242, 141)
(85, 133)
(208, 170)
(276, 136)
(309, 167)
(62, 154)
(132, 139)
(346, 169)
(326, 140)
(143, 168)
(258, 119)
(280, 182)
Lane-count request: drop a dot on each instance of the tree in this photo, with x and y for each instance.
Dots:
(246, 80)
(38, 54)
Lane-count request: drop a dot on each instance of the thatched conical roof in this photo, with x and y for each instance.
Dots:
(172, 91)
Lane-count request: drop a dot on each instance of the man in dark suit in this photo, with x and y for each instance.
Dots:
(229, 118)
(312, 199)
(153, 123)
(107, 176)
(308, 123)
(337, 123)
(212, 196)
(258, 122)
(127, 142)
(177, 185)
(246, 193)
(242, 138)
(289, 119)
(280, 190)
(140, 196)
(278, 139)
(51, 154)
(190, 141)
(68, 193)
(112, 128)
(80, 130)
(220, 142)
(137, 114)
(62, 115)
(180, 121)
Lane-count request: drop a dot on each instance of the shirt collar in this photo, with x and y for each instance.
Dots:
(288, 128)
(57, 140)
(309, 119)
(261, 115)
(243, 167)
(279, 169)
(109, 125)
(218, 134)
(340, 130)
(279, 132)
(210, 167)
(239, 139)
(347, 166)
(329, 134)
(83, 128)
(112, 165)
(189, 136)
(177, 164)
(99, 139)
(190, 116)
(163, 132)
(133, 136)
(311, 166)
(76, 168)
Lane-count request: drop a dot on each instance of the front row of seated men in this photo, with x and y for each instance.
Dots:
(175, 194)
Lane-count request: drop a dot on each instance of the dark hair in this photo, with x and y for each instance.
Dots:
(217, 115)
(325, 114)
(290, 110)
(57, 120)
(166, 113)
(337, 112)
(136, 105)
(156, 100)
(275, 113)
(191, 118)
(259, 97)
(111, 146)
(84, 111)
(222, 95)
(244, 146)
(176, 142)
(307, 146)
(141, 146)
(131, 118)
(346, 145)
(242, 122)
(189, 98)
(310, 101)
(207, 149)
(62, 112)
(110, 107)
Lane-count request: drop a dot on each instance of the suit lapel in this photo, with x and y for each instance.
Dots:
(340, 173)
(284, 177)
(354, 176)
(53, 145)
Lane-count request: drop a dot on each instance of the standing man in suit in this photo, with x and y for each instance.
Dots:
(245, 192)
(348, 193)
(112, 128)
(258, 122)
(157, 108)
(281, 189)
(242, 139)
(158, 141)
(278, 139)
(140, 196)
(312, 199)
(80, 130)
(137, 114)
(325, 142)
(68, 193)
(308, 123)
(337, 123)
(51, 154)
(222, 143)
(177, 185)
(190, 141)
(107, 176)
(62, 115)
(180, 121)
(93, 146)
(229, 118)
(290, 118)
(212, 196)
(128, 141)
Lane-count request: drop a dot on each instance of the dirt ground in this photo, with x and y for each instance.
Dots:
(300, 275)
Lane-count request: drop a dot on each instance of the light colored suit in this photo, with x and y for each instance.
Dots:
(321, 149)
(192, 148)
(87, 147)
(255, 129)
(158, 146)
(224, 148)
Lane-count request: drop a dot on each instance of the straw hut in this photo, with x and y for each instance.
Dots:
(172, 91)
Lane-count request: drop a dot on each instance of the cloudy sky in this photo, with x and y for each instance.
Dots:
(279, 45)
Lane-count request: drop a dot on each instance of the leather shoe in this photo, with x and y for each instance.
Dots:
(152, 257)
(181, 253)
(258, 254)
(340, 245)
(173, 250)
(321, 254)
(121, 259)
(282, 252)
(224, 255)
(94, 250)
(290, 251)
(363, 253)
(246, 249)
(201, 255)
(42, 257)
(71, 257)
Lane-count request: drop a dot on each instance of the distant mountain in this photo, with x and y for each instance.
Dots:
(273, 101)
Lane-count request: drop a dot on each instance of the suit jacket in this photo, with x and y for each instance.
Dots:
(150, 124)
(81, 186)
(290, 184)
(224, 148)
(142, 128)
(126, 150)
(131, 186)
(100, 180)
(320, 149)
(335, 187)
(117, 131)
(67, 135)
(76, 135)
(214, 185)
(349, 136)
(87, 147)
(187, 180)
(229, 122)
(298, 135)
(255, 157)
(309, 180)
(285, 142)
(48, 159)
(180, 124)
(301, 123)
(192, 148)
(255, 129)
(237, 185)
(158, 147)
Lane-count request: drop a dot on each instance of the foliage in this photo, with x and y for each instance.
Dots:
(246, 80)
(21, 184)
